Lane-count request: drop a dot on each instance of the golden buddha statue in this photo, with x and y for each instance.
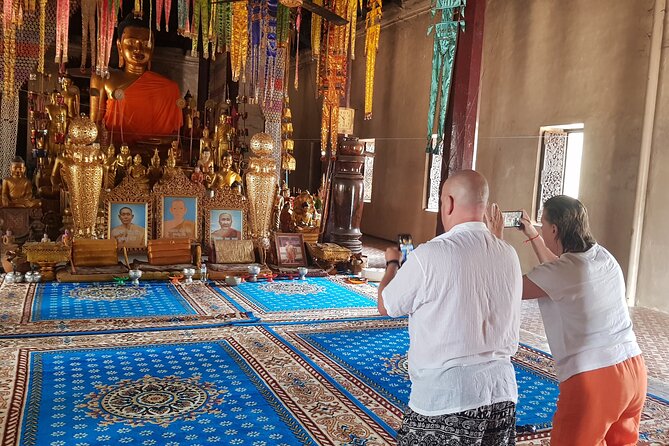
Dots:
(124, 158)
(137, 169)
(226, 176)
(71, 99)
(155, 171)
(110, 168)
(170, 170)
(17, 190)
(133, 99)
(224, 134)
(205, 142)
(57, 128)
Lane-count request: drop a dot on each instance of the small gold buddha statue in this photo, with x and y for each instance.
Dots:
(137, 169)
(17, 190)
(110, 168)
(205, 142)
(124, 159)
(226, 176)
(224, 134)
(155, 171)
(57, 128)
(170, 170)
(71, 99)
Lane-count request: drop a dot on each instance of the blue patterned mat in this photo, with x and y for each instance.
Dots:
(315, 298)
(56, 308)
(56, 301)
(370, 359)
(233, 385)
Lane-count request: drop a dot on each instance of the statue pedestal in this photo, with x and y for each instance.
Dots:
(346, 199)
(47, 255)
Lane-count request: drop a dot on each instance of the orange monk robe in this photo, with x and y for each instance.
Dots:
(148, 109)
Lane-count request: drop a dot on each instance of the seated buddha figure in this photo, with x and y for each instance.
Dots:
(226, 176)
(135, 104)
(17, 190)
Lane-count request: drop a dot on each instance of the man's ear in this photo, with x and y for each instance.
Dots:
(449, 204)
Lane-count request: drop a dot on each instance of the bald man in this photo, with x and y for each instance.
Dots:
(462, 292)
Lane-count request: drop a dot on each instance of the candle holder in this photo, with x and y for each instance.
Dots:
(254, 270)
(302, 271)
(135, 274)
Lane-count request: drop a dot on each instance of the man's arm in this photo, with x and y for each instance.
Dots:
(392, 255)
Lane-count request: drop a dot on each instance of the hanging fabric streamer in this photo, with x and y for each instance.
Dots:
(200, 21)
(443, 57)
(270, 40)
(373, 27)
(352, 17)
(62, 27)
(183, 14)
(298, 24)
(107, 17)
(256, 34)
(167, 6)
(316, 22)
(239, 40)
(42, 35)
(88, 12)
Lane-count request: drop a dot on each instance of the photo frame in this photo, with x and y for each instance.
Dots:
(128, 223)
(289, 248)
(220, 202)
(129, 193)
(179, 217)
(188, 221)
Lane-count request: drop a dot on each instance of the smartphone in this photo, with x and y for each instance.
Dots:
(512, 219)
(405, 242)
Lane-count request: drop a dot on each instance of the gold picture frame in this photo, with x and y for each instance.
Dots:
(289, 248)
(130, 192)
(179, 187)
(222, 201)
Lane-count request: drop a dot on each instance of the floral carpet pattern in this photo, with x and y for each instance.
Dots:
(29, 309)
(311, 299)
(229, 385)
(369, 359)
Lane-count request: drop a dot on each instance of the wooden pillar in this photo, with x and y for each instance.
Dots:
(462, 114)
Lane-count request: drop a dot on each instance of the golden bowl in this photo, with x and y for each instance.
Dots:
(262, 144)
(82, 131)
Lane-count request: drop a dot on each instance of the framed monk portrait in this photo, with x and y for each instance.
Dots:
(226, 224)
(179, 217)
(128, 223)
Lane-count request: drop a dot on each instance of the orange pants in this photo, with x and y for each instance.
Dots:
(601, 407)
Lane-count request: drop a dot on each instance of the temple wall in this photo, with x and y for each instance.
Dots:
(401, 92)
(555, 63)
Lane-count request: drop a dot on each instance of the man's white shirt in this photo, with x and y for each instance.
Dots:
(462, 291)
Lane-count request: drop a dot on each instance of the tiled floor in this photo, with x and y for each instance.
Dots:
(651, 327)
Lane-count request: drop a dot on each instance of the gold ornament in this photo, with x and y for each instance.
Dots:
(291, 3)
(262, 144)
(82, 131)
(373, 25)
(240, 40)
(261, 182)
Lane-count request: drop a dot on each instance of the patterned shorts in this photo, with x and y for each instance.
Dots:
(493, 425)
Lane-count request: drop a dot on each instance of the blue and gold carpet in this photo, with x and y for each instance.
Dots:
(312, 299)
(229, 385)
(29, 309)
(369, 359)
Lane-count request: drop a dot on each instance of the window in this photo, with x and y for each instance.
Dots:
(560, 164)
(368, 169)
(433, 179)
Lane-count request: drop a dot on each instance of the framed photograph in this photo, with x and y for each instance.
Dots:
(226, 224)
(179, 217)
(128, 223)
(225, 217)
(290, 250)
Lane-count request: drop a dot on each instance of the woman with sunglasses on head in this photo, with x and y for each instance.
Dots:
(581, 293)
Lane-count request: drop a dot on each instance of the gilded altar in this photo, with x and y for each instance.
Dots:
(47, 255)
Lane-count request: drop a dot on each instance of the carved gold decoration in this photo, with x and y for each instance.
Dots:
(291, 3)
(82, 131)
(261, 181)
(177, 185)
(83, 173)
(46, 255)
(224, 199)
(130, 191)
(329, 252)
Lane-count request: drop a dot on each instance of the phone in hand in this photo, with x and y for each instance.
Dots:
(405, 242)
(512, 219)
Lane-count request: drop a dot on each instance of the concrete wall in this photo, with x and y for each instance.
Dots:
(399, 122)
(653, 282)
(552, 63)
